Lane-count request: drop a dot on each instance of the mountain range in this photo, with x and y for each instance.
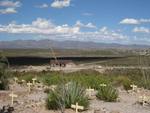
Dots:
(45, 44)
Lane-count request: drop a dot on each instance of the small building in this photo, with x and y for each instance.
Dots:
(61, 63)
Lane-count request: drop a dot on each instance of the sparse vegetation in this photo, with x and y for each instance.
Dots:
(84, 77)
(90, 78)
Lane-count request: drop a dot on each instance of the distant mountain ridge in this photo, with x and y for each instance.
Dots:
(45, 44)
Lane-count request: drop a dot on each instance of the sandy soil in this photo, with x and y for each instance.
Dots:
(128, 104)
(34, 102)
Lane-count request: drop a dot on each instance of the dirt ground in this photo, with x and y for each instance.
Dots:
(34, 102)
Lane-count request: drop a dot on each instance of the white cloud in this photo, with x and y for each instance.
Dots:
(60, 3)
(134, 21)
(48, 29)
(42, 23)
(8, 11)
(44, 5)
(145, 20)
(9, 3)
(89, 25)
(129, 21)
(39, 26)
(106, 33)
(141, 30)
(10, 6)
(103, 29)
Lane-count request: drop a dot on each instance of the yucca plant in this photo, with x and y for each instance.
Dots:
(107, 93)
(65, 95)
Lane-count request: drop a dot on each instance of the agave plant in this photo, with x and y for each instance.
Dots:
(65, 95)
(107, 93)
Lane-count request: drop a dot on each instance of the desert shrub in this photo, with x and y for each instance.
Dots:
(3, 73)
(3, 80)
(65, 95)
(87, 78)
(51, 78)
(27, 77)
(127, 84)
(145, 80)
(107, 93)
(124, 81)
(84, 77)
(146, 84)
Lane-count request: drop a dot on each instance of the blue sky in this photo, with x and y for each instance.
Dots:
(110, 21)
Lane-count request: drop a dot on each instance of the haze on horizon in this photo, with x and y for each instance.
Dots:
(108, 21)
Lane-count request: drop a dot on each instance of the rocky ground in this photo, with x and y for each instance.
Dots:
(34, 102)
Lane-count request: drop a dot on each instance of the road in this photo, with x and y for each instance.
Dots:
(72, 68)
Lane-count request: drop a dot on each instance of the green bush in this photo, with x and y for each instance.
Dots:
(107, 93)
(27, 76)
(3, 73)
(84, 77)
(124, 81)
(3, 81)
(65, 95)
(145, 81)
(90, 78)
(51, 78)
(127, 84)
